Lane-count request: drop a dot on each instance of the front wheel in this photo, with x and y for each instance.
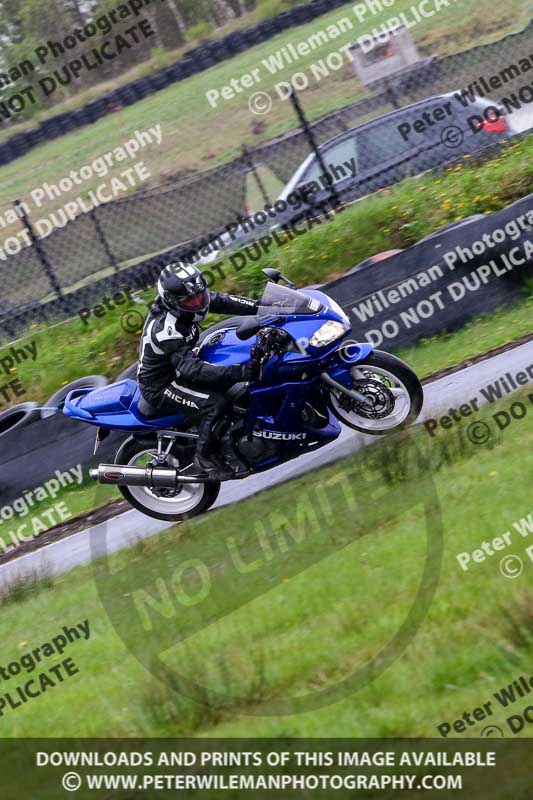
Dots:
(172, 505)
(394, 396)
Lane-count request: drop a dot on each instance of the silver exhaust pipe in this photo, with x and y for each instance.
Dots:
(149, 477)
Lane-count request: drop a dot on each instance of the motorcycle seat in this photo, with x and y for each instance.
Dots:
(115, 398)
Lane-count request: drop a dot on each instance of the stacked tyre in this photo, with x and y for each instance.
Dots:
(18, 417)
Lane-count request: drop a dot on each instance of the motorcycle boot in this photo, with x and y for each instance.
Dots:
(208, 464)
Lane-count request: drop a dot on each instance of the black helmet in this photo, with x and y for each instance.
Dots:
(184, 289)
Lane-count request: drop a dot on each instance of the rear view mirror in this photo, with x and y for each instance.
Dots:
(276, 276)
(273, 275)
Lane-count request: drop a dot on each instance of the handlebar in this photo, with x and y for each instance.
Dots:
(250, 326)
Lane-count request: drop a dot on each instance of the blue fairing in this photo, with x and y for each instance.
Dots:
(229, 350)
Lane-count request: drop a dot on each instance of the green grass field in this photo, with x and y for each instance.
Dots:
(189, 122)
(159, 59)
(267, 617)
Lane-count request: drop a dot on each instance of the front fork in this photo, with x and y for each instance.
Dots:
(352, 393)
(338, 373)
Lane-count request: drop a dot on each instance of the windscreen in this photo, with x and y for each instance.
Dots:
(282, 301)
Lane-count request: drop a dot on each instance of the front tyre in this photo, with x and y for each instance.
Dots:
(394, 396)
(187, 500)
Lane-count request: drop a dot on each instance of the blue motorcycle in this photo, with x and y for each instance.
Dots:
(313, 377)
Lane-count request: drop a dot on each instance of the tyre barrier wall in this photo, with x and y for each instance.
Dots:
(129, 374)
(14, 418)
(31, 454)
(33, 441)
(194, 61)
(423, 302)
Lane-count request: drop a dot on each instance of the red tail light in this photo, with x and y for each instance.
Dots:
(497, 126)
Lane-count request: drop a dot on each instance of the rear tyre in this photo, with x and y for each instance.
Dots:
(188, 500)
(387, 378)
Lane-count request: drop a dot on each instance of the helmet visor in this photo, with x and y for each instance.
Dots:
(197, 302)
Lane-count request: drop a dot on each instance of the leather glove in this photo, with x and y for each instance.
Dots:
(250, 371)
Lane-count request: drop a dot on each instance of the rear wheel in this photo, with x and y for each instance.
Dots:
(173, 505)
(394, 396)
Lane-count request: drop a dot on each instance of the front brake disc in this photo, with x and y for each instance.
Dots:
(379, 403)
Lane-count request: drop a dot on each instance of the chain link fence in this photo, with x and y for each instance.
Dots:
(403, 123)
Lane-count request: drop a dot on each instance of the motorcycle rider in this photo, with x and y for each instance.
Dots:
(171, 376)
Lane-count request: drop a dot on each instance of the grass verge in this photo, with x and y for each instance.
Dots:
(286, 594)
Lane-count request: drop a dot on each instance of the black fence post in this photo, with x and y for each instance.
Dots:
(103, 239)
(251, 164)
(39, 249)
(391, 94)
(310, 136)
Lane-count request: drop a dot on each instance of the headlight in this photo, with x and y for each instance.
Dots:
(328, 333)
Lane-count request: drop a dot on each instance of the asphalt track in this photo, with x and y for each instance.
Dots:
(442, 394)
